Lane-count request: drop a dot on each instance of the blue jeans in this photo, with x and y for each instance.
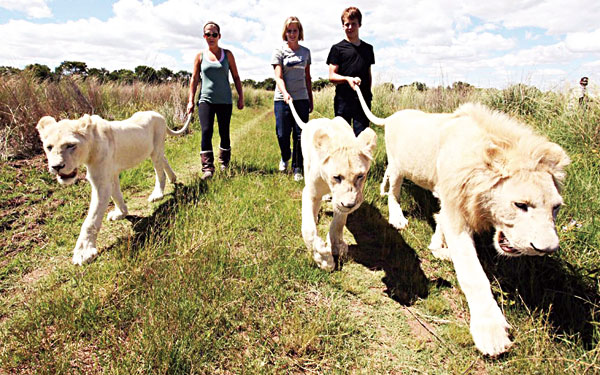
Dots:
(285, 125)
(351, 111)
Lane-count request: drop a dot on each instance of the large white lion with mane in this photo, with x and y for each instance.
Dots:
(106, 148)
(490, 172)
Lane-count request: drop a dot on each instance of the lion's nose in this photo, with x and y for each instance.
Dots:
(58, 167)
(546, 250)
(348, 204)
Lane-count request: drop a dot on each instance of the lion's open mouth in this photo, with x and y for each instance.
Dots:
(504, 244)
(68, 176)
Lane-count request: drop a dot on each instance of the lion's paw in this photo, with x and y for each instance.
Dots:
(155, 196)
(322, 255)
(84, 254)
(115, 214)
(324, 261)
(441, 253)
(437, 240)
(398, 222)
(491, 335)
(438, 247)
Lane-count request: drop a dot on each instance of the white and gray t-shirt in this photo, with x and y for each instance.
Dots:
(293, 65)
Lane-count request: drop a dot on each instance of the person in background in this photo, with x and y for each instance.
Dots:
(214, 65)
(583, 82)
(291, 63)
(349, 65)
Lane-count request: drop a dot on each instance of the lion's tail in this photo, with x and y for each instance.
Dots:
(182, 130)
(295, 114)
(374, 119)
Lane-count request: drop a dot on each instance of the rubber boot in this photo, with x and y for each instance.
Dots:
(208, 164)
(224, 157)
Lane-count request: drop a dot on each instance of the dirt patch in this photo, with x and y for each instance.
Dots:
(86, 361)
(420, 329)
(35, 275)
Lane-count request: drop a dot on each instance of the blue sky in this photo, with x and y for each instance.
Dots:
(549, 44)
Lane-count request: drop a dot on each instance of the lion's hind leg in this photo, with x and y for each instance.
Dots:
(158, 160)
(396, 217)
(169, 170)
(386, 178)
(120, 210)
(437, 245)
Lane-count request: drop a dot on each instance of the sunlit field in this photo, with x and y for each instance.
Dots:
(216, 279)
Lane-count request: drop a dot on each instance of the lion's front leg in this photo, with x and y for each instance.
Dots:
(311, 203)
(85, 249)
(336, 235)
(488, 325)
(120, 210)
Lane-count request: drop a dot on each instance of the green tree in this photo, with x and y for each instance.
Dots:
(183, 76)
(462, 86)
(146, 74)
(39, 71)
(321, 83)
(67, 68)
(165, 75)
(267, 84)
(249, 82)
(420, 86)
(122, 75)
(100, 74)
(8, 70)
(388, 86)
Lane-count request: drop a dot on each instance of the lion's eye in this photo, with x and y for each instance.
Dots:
(360, 177)
(71, 146)
(521, 206)
(337, 179)
(49, 147)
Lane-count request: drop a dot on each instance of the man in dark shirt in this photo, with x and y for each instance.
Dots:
(350, 64)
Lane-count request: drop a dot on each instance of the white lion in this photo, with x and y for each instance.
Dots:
(106, 148)
(489, 172)
(336, 162)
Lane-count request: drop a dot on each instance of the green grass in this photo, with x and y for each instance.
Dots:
(215, 278)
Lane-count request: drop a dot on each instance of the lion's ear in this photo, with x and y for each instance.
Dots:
(554, 158)
(367, 140)
(85, 123)
(45, 121)
(495, 158)
(322, 142)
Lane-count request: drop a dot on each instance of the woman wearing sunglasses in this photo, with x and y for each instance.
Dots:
(214, 63)
(291, 62)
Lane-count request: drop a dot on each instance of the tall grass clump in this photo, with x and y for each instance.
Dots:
(256, 97)
(387, 101)
(24, 100)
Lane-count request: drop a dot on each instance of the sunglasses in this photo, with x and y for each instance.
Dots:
(214, 35)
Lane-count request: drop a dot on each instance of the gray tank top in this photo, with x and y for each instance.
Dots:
(215, 80)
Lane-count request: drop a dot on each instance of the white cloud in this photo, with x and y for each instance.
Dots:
(431, 41)
(32, 8)
(583, 41)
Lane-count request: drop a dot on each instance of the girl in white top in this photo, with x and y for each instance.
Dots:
(291, 63)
